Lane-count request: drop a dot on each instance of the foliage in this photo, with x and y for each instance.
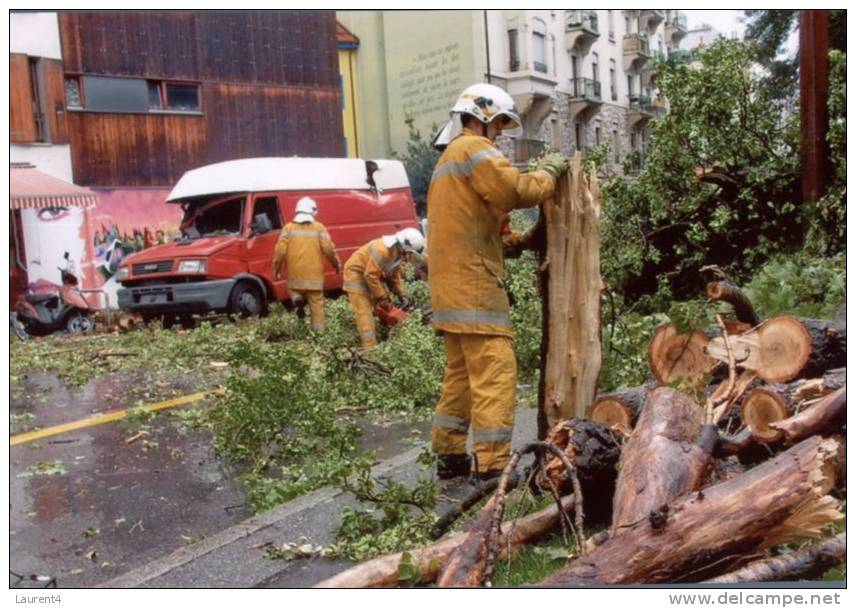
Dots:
(419, 161)
(719, 185)
(625, 344)
(401, 517)
(53, 467)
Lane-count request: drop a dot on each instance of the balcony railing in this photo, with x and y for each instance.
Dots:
(653, 14)
(644, 104)
(585, 88)
(679, 21)
(680, 55)
(636, 44)
(539, 67)
(513, 65)
(580, 19)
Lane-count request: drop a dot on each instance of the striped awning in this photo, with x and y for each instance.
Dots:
(29, 188)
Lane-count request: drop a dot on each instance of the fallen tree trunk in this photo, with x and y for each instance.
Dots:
(384, 571)
(680, 358)
(594, 450)
(726, 291)
(666, 456)
(705, 532)
(786, 348)
(620, 408)
(806, 563)
(572, 314)
(825, 416)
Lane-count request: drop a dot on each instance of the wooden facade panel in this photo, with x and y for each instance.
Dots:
(22, 122)
(134, 149)
(54, 102)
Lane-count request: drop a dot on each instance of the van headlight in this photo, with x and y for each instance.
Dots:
(123, 273)
(193, 266)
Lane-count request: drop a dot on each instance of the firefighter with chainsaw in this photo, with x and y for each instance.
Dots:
(473, 188)
(368, 272)
(299, 256)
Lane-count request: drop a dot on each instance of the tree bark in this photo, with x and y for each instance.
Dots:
(825, 416)
(706, 532)
(594, 450)
(681, 358)
(666, 456)
(573, 356)
(621, 407)
(806, 563)
(726, 291)
(787, 348)
(383, 571)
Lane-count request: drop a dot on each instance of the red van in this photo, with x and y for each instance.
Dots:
(233, 213)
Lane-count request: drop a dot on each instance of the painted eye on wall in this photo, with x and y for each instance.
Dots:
(52, 214)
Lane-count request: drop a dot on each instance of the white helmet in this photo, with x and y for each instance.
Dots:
(410, 239)
(305, 210)
(485, 102)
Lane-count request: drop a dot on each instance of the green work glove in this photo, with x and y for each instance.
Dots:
(553, 164)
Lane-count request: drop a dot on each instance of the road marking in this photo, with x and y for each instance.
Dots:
(104, 418)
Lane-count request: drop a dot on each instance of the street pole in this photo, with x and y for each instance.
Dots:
(486, 45)
(814, 94)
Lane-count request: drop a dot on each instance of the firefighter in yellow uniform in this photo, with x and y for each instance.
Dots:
(299, 255)
(369, 268)
(472, 190)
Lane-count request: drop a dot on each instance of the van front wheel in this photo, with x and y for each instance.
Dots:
(246, 300)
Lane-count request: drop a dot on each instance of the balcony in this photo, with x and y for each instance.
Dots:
(585, 95)
(636, 51)
(524, 149)
(650, 18)
(581, 30)
(676, 26)
(680, 56)
(649, 69)
(642, 108)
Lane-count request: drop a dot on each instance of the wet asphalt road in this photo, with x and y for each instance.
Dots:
(86, 506)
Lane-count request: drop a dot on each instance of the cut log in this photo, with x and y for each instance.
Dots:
(817, 387)
(764, 405)
(807, 563)
(572, 358)
(726, 291)
(680, 358)
(594, 450)
(621, 407)
(786, 348)
(662, 458)
(825, 416)
(707, 532)
(383, 571)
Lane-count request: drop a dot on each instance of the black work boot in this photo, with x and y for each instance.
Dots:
(485, 476)
(450, 466)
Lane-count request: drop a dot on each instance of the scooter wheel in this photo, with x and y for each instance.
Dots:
(79, 323)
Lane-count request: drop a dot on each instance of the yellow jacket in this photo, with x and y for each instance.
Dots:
(472, 190)
(367, 267)
(299, 255)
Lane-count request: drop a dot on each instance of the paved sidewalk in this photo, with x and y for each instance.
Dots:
(236, 557)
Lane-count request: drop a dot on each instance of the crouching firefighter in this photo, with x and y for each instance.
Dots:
(372, 267)
(299, 256)
(472, 190)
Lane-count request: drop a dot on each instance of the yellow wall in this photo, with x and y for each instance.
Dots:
(348, 73)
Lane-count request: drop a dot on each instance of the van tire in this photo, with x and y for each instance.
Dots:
(247, 300)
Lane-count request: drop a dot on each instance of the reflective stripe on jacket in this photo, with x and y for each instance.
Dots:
(368, 265)
(472, 190)
(299, 255)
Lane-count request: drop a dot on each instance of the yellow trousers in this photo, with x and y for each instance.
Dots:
(316, 306)
(479, 392)
(364, 315)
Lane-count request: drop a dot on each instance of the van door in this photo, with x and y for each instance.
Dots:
(265, 224)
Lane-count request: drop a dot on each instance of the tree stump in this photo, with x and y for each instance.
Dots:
(620, 408)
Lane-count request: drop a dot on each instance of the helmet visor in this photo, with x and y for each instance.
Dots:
(511, 124)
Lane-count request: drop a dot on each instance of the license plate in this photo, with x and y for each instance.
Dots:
(153, 298)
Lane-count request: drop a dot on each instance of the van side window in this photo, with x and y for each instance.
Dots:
(268, 206)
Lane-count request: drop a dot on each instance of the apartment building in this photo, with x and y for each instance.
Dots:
(580, 78)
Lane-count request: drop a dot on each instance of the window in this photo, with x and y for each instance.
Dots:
(613, 86)
(73, 98)
(578, 135)
(268, 206)
(616, 147)
(131, 95)
(595, 67)
(597, 136)
(629, 85)
(611, 20)
(37, 100)
(539, 45)
(513, 51)
(627, 24)
(214, 219)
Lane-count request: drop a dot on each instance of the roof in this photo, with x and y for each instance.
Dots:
(282, 174)
(29, 188)
(344, 37)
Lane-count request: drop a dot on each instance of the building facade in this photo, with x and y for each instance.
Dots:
(580, 78)
(126, 102)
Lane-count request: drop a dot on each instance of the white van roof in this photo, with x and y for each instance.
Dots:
(293, 173)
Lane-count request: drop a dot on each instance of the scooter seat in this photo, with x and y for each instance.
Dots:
(36, 298)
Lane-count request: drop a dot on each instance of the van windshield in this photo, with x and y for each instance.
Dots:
(214, 219)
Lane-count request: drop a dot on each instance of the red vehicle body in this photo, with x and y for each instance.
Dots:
(233, 214)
